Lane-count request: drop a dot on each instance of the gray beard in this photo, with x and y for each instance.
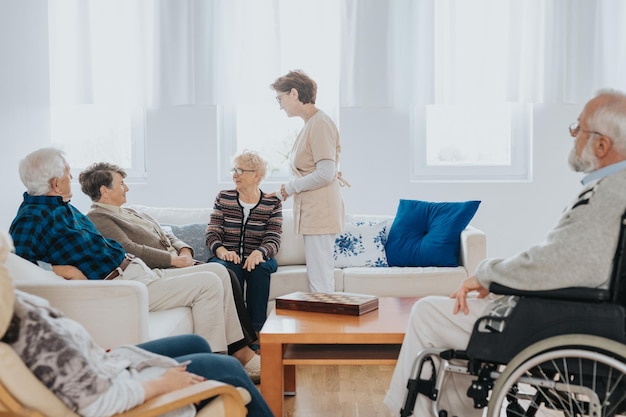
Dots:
(586, 162)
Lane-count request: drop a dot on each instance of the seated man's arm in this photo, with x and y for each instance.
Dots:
(68, 272)
(471, 284)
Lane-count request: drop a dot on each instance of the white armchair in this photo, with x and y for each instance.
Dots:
(114, 312)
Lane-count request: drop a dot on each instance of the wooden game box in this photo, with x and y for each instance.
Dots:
(335, 303)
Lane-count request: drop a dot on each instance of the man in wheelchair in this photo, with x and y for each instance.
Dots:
(554, 337)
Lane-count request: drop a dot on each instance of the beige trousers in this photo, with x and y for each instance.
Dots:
(432, 324)
(205, 288)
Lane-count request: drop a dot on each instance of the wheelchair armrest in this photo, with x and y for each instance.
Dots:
(569, 293)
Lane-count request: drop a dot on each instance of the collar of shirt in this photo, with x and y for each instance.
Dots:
(49, 200)
(111, 207)
(140, 221)
(603, 172)
(124, 213)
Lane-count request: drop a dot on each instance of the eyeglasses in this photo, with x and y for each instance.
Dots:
(574, 128)
(279, 97)
(240, 171)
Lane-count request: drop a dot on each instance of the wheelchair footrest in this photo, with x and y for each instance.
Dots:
(480, 388)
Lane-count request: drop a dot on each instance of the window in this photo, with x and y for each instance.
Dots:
(287, 36)
(263, 129)
(471, 118)
(481, 142)
(97, 112)
(92, 133)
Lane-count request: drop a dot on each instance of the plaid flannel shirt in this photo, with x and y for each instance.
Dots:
(50, 230)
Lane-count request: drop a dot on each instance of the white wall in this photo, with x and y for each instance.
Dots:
(182, 150)
(24, 98)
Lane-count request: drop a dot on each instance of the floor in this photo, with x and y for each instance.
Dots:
(339, 391)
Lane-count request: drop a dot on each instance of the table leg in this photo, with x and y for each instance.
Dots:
(272, 377)
(289, 372)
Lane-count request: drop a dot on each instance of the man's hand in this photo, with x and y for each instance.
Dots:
(181, 261)
(68, 272)
(186, 252)
(467, 286)
(255, 258)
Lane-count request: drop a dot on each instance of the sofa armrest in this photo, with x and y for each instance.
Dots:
(113, 312)
(473, 248)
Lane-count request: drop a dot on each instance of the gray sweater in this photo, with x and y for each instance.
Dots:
(577, 252)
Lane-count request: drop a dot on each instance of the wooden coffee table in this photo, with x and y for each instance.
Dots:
(291, 338)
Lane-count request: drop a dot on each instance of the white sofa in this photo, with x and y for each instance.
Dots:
(291, 274)
(116, 312)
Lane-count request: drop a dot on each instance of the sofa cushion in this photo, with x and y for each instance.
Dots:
(176, 215)
(172, 322)
(192, 234)
(362, 243)
(291, 278)
(291, 250)
(427, 234)
(403, 281)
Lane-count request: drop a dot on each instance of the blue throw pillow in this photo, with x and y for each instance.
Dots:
(428, 234)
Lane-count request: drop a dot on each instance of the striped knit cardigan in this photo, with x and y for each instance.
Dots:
(261, 231)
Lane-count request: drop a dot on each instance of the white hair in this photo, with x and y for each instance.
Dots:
(38, 168)
(610, 118)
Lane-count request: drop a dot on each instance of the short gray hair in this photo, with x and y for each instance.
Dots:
(38, 168)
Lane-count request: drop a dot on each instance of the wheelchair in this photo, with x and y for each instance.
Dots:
(558, 352)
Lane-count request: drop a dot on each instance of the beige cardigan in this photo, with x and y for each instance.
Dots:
(150, 247)
(320, 211)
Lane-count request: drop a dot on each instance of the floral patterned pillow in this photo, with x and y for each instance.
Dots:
(362, 243)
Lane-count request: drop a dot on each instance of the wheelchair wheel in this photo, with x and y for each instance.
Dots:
(571, 375)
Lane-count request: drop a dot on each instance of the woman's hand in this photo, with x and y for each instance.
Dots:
(467, 286)
(255, 258)
(227, 255)
(171, 380)
(280, 194)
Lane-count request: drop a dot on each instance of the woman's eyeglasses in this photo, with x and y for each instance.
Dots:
(240, 171)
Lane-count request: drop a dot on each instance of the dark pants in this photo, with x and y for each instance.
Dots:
(222, 368)
(247, 326)
(257, 285)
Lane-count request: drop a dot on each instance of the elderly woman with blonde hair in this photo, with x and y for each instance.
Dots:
(244, 232)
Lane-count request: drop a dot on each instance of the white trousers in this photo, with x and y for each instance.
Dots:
(205, 288)
(432, 324)
(320, 264)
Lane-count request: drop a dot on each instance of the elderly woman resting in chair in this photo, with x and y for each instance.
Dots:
(93, 382)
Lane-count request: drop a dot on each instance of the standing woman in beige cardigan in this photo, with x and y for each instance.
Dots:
(317, 204)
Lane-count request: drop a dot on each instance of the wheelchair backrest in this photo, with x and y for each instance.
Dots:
(618, 276)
